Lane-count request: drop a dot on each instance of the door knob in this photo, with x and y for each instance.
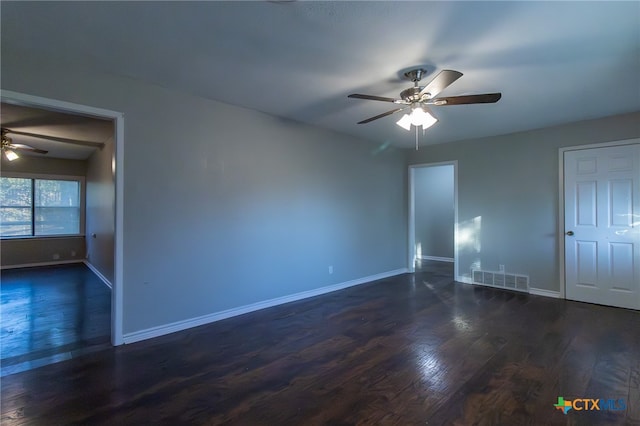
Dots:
(570, 233)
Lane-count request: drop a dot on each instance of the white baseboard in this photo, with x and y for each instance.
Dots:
(98, 274)
(34, 265)
(545, 293)
(149, 333)
(439, 259)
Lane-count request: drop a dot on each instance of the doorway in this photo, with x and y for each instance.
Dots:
(118, 159)
(601, 218)
(433, 214)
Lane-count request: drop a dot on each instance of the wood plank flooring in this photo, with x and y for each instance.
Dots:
(51, 314)
(414, 349)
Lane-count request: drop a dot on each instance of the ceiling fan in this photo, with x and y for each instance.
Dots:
(419, 98)
(9, 148)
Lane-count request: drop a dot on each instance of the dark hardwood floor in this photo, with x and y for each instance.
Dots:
(51, 314)
(414, 349)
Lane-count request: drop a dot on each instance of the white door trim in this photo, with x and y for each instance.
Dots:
(118, 118)
(561, 225)
(411, 252)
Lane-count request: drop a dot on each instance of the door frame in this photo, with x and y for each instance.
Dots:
(561, 224)
(411, 240)
(118, 120)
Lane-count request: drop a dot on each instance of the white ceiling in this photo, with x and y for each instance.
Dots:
(554, 62)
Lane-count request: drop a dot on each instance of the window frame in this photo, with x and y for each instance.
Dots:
(40, 176)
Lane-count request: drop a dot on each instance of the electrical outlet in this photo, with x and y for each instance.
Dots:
(56, 256)
(330, 269)
(73, 253)
(501, 268)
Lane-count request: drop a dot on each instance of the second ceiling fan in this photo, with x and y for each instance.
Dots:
(419, 98)
(11, 149)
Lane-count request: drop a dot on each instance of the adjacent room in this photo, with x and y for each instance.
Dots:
(297, 212)
(57, 209)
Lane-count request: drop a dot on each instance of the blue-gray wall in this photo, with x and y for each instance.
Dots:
(225, 206)
(434, 210)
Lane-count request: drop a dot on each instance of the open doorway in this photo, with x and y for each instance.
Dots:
(433, 215)
(104, 259)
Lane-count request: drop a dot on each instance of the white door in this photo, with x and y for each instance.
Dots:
(602, 225)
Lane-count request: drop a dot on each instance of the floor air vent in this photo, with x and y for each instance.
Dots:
(501, 279)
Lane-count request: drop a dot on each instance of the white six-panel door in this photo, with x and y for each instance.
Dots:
(602, 225)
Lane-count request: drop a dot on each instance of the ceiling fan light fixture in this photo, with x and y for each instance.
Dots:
(420, 117)
(11, 155)
(405, 122)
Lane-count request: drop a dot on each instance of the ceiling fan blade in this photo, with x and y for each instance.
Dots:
(487, 98)
(384, 114)
(22, 147)
(440, 82)
(58, 139)
(371, 98)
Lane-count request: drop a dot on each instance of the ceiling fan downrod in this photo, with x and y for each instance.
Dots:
(415, 75)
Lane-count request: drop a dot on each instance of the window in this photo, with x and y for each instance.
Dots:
(39, 207)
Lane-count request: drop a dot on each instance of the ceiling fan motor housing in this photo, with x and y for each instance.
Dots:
(412, 94)
(6, 140)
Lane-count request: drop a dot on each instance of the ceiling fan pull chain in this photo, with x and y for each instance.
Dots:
(416, 137)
